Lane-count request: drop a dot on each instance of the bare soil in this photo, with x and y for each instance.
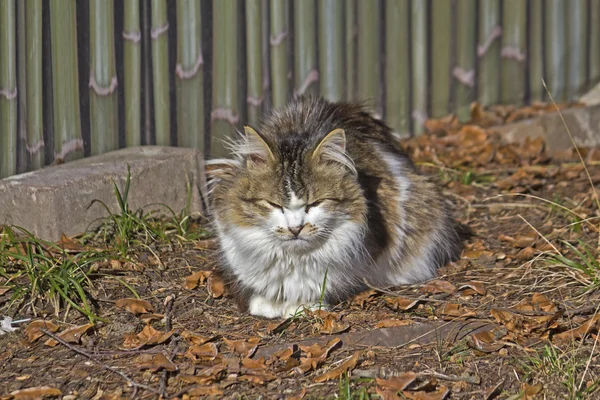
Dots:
(506, 321)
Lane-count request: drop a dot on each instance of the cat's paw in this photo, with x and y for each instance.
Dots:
(263, 307)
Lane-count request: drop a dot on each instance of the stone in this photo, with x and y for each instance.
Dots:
(583, 123)
(60, 199)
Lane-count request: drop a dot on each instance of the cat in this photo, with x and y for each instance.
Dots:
(320, 204)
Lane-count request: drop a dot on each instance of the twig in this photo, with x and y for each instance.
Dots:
(168, 308)
(77, 350)
(164, 379)
(453, 378)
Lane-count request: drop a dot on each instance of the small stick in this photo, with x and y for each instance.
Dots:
(77, 350)
(453, 378)
(168, 324)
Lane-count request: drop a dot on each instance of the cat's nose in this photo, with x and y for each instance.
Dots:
(295, 230)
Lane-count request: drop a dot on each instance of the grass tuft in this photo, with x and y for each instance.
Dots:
(35, 270)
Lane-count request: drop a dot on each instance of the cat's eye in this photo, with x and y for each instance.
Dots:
(313, 204)
(269, 204)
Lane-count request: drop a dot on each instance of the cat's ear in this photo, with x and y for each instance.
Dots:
(220, 168)
(255, 147)
(333, 148)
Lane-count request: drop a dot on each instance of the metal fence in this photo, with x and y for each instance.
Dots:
(89, 76)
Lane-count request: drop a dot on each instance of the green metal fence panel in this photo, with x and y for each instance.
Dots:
(194, 71)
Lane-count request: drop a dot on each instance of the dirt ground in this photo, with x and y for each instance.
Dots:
(516, 317)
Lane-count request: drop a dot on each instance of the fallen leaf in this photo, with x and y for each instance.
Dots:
(70, 244)
(439, 394)
(40, 392)
(254, 364)
(525, 240)
(198, 278)
(401, 303)
(274, 328)
(207, 375)
(159, 361)
(205, 391)
(205, 352)
(148, 336)
(33, 330)
(150, 317)
(331, 326)
(438, 286)
(589, 326)
(258, 378)
(194, 338)
(151, 336)
(474, 287)
(339, 370)
(456, 311)
(315, 355)
(531, 391)
(388, 323)
(70, 335)
(215, 286)
(397, 383)
(135, 306)
(485, 342)
(4, 289)
(245, 348)
(362, 298)
(387, 394)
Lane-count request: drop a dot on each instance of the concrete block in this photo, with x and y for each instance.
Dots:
(55, 199)
(583, 122)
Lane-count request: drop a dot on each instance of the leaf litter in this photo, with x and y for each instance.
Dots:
(509, 279)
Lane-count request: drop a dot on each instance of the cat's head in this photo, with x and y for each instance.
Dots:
(293, 191)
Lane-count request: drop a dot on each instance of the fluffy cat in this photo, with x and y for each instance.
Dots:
(321, 200)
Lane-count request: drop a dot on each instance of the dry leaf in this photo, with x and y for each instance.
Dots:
(364, 297)
(387, 394)
(148, 336)
(245, 348)
(525, 240)
(254, 364)
(531, 391)
(315, 355)
(159, 361)
(148, 318)
(33, 331)
(215, 286)
(401, 303)
(331, 326)
(35, 393)
(198, 278)
(194, 338)
(258, 378)
(135, 306)
(439, 394)
(339, 370)
(205, 391)
(456, 311)
(397, 383)
(70, 244)
(4, 289)
(589, 326)
(472, 288)
(438, 286)
(71, 335)
(485, 342)
(205, 352)
(205, 376)
(388, 323)
(151, 336)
